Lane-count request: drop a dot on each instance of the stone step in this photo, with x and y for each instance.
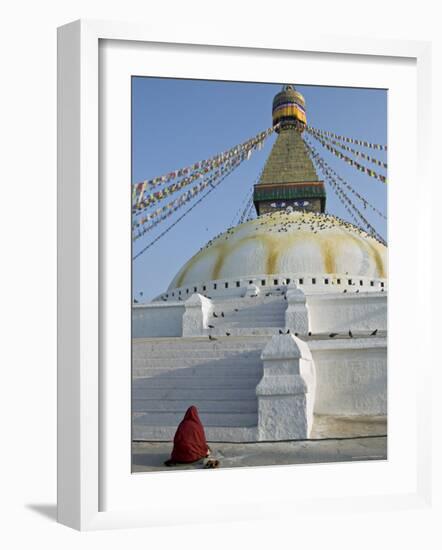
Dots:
(167, 370)
(245, 316)
(221, 420)
(219, 377)
(257, 312)
(196, 356)
(199, 344)
(195, 382)
(166, 433)
(192, 394)
(277, 323)
(174, 379)
(240, 420)
(203, 405)
(247, 331)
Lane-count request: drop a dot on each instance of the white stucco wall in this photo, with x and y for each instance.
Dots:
(351, 381)
(157, 319)
(343, 312)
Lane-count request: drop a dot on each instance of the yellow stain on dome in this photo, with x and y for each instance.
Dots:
(335, 236)
(328, 256)
(378, 260)
(372, 248)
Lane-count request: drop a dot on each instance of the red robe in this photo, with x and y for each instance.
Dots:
(189, 443)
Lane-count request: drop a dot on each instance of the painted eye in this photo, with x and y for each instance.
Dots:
(273, 204)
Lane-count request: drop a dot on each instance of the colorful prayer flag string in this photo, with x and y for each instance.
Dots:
(346, 201)
(200, 168)
(349, 140)
(167, 210)
(380, 163)
(349, 161)
(194, 205)
(364, 201)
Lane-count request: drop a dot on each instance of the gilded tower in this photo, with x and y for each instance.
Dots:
(289, 179)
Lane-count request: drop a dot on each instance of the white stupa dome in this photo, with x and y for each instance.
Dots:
(287, 242)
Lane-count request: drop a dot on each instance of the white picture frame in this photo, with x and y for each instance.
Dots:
(82, 397)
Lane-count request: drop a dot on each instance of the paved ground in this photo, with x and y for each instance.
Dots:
(333, 440)
(149, 457)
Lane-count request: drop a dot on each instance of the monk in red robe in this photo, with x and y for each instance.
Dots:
(189, 443)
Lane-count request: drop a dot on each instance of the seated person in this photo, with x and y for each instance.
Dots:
(189, 443)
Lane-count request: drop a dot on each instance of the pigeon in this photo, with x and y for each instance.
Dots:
(236, 309)
(210, 326)
(288, 331)
(333, 334)
(211, 337)
(309, 333)
(357, 291)
(222, 313)
(374, 332)
(296, 334)
(350, 334)
(280, 331)
(345, 290)
(228, 333)
(214, 314)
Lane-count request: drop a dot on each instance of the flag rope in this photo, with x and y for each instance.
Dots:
(333, 181)
(171, 207)
(141, 198)
(364, 201)
(350, 140)
(171, 226)
(349, 160)
(244, 204)
(380, 163)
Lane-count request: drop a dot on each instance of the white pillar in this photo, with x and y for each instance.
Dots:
(297, 313)
(286, 391)
(196, 315)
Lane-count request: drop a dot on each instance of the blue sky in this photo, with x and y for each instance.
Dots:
(178, 122)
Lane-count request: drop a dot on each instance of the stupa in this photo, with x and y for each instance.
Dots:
(273, 323)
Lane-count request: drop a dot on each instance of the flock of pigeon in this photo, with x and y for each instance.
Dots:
(280, 331)
(283, 222)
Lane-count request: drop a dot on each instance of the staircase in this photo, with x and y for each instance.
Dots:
(261, 315)
(218, 376)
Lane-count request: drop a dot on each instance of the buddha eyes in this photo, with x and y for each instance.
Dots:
(281, 204)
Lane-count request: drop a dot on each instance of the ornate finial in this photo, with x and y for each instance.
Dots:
(289, 109)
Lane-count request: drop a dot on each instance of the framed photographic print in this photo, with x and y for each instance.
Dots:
(259, 307)
(233, 238)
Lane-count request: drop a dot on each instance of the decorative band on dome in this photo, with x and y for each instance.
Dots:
(289, 108)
